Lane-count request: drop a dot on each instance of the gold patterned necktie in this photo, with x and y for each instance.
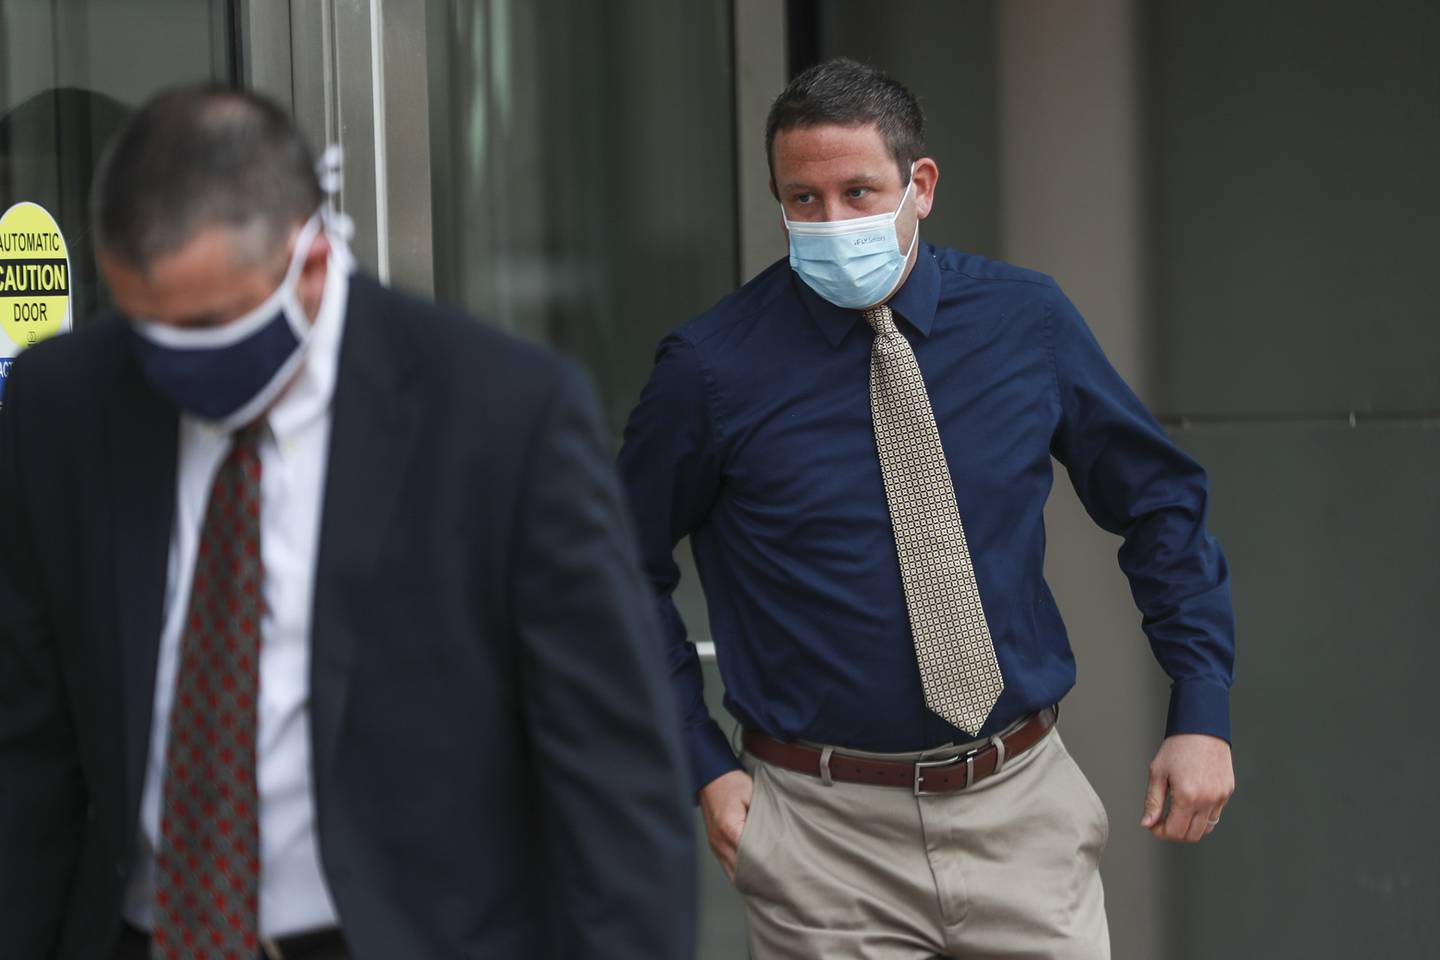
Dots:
(958, 669)
(208, 876)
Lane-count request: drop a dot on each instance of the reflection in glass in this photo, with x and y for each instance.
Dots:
(583, 172)
(583, 177)
(70, 73)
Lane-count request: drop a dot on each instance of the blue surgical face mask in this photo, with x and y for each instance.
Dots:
(231, 374)
(852, 263)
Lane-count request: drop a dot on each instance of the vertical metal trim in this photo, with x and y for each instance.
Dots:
(333, 102)
(736, 186)
(382, 179)
(330, 72)
(403, 161)
(362, 95)
(760, 73)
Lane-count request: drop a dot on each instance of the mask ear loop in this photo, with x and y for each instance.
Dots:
(304, 240)
(915, 237)
(290, 296)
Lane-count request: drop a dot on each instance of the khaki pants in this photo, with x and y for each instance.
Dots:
(1008, 868)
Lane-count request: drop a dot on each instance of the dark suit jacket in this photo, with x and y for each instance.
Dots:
(497, 766)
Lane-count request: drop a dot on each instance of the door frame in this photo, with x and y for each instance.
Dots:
(351, 72)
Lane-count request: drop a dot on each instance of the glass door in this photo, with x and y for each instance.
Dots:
(71, 71)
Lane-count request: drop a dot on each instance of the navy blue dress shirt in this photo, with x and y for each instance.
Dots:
(754, 438)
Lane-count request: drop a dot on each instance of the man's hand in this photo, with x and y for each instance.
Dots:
(1195, 771)
(725, 801)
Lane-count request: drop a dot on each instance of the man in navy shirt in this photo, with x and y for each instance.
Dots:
(858, 443)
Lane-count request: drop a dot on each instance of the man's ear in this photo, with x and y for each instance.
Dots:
(311, 282)
(926, 176)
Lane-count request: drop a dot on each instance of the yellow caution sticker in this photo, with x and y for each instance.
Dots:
(34, 276)
(34, 281)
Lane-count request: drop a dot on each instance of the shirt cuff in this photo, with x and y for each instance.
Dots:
(710, 754)
(1198, 706)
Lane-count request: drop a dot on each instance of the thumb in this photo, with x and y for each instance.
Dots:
(1154, 799)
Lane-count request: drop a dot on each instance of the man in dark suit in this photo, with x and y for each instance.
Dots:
(321, 631)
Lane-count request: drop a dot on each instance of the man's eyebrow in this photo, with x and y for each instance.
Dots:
(863, 179)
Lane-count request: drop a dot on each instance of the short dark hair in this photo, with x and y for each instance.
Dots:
(201, 156)
(847, 93)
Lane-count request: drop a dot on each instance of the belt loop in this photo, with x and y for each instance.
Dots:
(998, 742)
(825, 777)
(271, 950)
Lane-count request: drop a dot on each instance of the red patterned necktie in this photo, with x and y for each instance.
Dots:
(208, 878)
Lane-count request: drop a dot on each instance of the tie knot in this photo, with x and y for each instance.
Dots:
(881, 320)
(248, 436)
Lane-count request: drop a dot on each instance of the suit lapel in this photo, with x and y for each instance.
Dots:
(374, 416)
(143, 435)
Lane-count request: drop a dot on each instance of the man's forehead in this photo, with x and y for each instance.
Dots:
(210, 250)
(206, 274)
(850, 151)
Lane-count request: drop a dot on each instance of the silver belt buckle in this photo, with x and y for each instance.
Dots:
(967, 758)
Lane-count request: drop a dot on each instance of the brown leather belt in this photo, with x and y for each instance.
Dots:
(944, 774)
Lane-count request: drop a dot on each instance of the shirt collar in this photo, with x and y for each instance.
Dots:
(914, 302)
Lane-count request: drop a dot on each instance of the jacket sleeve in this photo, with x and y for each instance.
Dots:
(597, 708)
(42, 791)
(1136, 483)
(670, 465)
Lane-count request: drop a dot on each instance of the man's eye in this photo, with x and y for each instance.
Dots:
(855, 193)
(803, 198)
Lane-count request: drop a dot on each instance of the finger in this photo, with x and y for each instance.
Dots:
(723, 846)
(719, 851)
(1199, 825)
(1154, 801)
(732, 838)
(1177, 822)
(1213, 821)
(725, 852)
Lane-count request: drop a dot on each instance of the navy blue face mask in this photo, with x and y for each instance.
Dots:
(232, 373)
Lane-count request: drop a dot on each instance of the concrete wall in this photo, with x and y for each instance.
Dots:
(1293, 149)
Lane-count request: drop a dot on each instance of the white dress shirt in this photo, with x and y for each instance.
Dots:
(293, 894)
